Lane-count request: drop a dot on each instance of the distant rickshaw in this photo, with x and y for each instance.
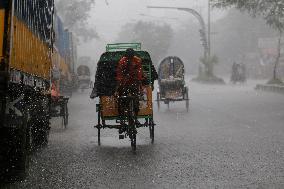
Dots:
(84, 77)
(105, 88)
(172, 86)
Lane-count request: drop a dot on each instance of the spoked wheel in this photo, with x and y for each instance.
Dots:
(133, 141)
(158, 100)
(186, 99)
(152, 130)
(99, 126)
(131, 125)
(66, 115)
(132, 135)
(99, 136)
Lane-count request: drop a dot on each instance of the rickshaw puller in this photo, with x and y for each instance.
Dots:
(129, 76)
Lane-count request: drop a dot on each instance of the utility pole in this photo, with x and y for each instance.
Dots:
(209, 28)
(197, 15)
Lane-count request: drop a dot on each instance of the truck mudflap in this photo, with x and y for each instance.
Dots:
(24, 129)
(3, 82)
(14, 135)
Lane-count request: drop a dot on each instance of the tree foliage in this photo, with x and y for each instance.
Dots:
(75, 14)
(155, 38)
(271, 10)
(238, 34)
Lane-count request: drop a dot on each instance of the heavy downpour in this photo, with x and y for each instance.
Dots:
(141, 94)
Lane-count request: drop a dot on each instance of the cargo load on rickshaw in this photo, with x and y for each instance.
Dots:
(172, 85)
(105, 87)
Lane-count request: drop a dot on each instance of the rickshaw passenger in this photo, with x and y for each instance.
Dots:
(129, 76)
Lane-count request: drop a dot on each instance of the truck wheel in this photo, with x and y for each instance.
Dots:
(42, 133)
(40, 122)
(18, 155)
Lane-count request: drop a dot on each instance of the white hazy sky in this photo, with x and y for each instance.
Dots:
(108, 16)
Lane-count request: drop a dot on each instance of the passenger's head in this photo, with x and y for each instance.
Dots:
(129, 53)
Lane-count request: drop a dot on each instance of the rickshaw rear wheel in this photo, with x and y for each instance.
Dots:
(186, 99)
(131, 125)
(158, 100)
(99, 125)
(66, 115)
(133, 141)
(99, 136)
(152, 130)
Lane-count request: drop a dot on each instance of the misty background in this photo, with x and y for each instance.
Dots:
(235, 36)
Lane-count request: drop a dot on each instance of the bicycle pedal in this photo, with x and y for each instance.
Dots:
(121, 137)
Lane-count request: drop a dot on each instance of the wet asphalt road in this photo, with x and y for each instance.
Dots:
(233, 137)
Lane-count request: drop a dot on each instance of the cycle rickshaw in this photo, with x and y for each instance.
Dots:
(172, 86)
(105, 86)
(59, 98)
(59, 108)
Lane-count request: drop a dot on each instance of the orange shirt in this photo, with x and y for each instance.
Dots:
(131, 75)
(54, 91)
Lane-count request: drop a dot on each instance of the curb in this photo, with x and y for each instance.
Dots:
(270, 88)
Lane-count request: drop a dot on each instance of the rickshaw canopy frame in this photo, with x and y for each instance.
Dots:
(123, 46)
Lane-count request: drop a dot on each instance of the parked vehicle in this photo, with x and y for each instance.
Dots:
(25, 72)
(33, 62)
